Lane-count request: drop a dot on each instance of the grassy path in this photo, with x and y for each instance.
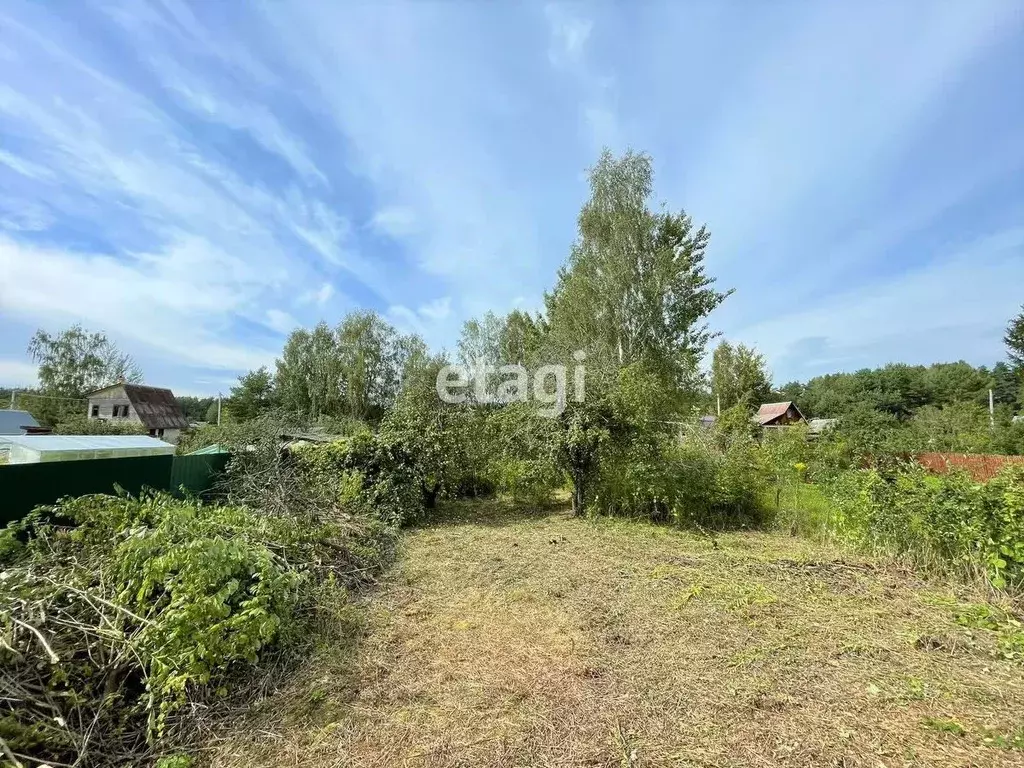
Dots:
(505, 640)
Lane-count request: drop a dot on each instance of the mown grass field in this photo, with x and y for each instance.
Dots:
(503, 638)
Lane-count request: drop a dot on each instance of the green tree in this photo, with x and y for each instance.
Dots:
(959, 382)
(210, 417)
(1006, 385)
(520, 338)
(252, 396)
(962, 428)
(634, 288)
(633, 292)
(438, 434)
(370, 365)
(75, 362)
(352, 371)
(739, 376)
(308, 373)
(480, 341)
(194, 408)
(1014, 339)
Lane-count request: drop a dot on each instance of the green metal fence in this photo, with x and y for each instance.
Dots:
(196, 473)
(26, 486)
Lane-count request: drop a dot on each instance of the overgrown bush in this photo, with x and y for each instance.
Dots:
(704, 481)
(380, 476)
(82, 425)
(519, 454)
(117, 618)
(948, 519)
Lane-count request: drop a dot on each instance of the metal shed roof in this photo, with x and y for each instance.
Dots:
(68, 443)
(14, 422)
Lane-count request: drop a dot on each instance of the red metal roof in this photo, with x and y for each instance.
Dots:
(769, 412)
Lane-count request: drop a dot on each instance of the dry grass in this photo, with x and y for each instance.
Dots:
(503, 639)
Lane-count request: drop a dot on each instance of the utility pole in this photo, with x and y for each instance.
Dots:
(218, 409)
(13, 393)
(718, 399)
(991, 411)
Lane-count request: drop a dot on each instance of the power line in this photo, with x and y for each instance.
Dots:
(52, 397)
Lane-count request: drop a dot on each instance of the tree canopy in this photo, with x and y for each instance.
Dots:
(75, 362)
(1015, 340)
(634, 287)
(739, 376)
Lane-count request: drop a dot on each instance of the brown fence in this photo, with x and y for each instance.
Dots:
(26, 486)
(981, 467)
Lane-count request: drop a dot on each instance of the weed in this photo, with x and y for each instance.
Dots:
(943, 725)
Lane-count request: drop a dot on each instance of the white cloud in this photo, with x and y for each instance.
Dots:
(569, 34)
(281, 321)
(320, 296)
(911, 317)
(411, 103)
(24, 215)
(394, 221)
(438, 309)
(812, 112)
(16, 373)
(431, 320)
(24, 167)
(154, 299)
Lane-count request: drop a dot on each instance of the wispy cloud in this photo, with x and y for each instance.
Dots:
(395, 221)
(198, 183)
(918, 316)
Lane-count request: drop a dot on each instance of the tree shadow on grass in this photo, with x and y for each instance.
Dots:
(491, 512)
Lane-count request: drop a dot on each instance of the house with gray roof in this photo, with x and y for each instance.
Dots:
(153, 407)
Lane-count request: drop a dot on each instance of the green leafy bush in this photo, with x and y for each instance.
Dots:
(126, 610)
(696, 482)
(377, 473)
(82, 425)
(948, 519)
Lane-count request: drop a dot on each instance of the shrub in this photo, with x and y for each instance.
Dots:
(948, 519)
(376, 473)
(698, 482)
(518, 449)
(81, 425)
(116, 619)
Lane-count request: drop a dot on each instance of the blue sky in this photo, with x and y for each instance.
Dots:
(199, 179)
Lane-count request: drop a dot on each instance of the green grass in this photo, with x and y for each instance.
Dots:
(509, 638)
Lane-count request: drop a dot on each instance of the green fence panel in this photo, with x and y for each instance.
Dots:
(26, 486)
(196, 473)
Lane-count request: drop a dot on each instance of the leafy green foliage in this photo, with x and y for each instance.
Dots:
(252, 396)
(75, 362)
(72, 363)
(1014, 339)
(739, 375)
(519, 453)
(946, 405)
(634, 288)
(945, 519)
(81, 425)
(126, 610)
(197, 408)
(354, 370)
(440, 437)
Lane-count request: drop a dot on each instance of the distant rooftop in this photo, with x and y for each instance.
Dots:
(14, 422)
(155, 406)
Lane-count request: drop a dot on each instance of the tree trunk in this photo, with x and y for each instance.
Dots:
(430, 495)
(578, 497)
